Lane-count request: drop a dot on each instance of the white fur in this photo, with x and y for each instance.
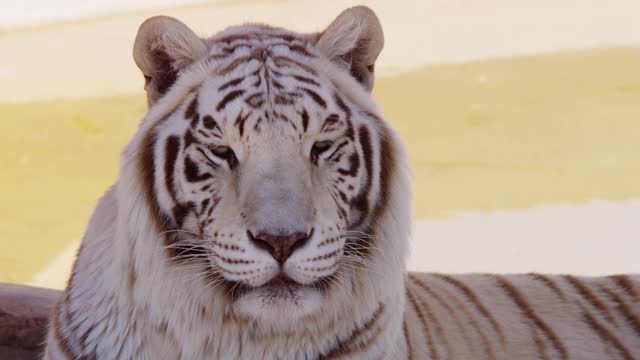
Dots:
(202, 324)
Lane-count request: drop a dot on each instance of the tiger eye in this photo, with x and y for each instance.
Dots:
(320, 147)
(226, 153)
(221, 151)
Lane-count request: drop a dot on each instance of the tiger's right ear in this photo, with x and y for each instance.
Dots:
(162, 48)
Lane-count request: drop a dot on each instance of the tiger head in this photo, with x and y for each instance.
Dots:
(267, 167)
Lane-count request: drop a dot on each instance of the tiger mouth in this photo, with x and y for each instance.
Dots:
(281, 281)
(280, 285)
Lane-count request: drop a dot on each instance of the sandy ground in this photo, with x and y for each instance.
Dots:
(29, 13)
(592, 238)
(39, 63)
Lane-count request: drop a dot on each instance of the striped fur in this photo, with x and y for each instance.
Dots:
(529, 316)
(261, 130)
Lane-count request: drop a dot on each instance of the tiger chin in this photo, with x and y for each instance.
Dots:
(262, 211)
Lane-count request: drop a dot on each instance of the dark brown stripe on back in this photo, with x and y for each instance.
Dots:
(433, 353)
(540, 345)
(471, 295)
(454, 314)
(625, 283)
(624, 308)
(463, 308)
(606, 336)
(590, 296)
(511, 291)
(549, 283)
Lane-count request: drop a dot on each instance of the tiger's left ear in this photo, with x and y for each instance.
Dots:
(353, 41)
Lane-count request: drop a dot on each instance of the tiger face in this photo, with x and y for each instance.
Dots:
(267, 170)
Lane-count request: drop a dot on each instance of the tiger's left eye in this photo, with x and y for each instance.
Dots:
(319, 147)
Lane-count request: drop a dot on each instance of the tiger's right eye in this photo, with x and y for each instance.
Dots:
(225, 153)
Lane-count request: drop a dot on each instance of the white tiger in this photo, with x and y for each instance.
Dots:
(262, 211)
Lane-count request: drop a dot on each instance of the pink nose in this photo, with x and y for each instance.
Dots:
(279, 246)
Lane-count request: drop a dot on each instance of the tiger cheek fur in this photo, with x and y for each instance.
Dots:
(262, 211)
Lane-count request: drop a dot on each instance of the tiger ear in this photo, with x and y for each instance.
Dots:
(354, 41)
(162, 48)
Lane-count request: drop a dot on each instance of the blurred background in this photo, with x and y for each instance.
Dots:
(522, 120)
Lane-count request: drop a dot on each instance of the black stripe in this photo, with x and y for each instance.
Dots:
(341, 104)
(606, 336)
(315, 97)
(549, 283)
(210, 123)
(240, 120)
(192, 112)
(528, 311)
(340, 146)
(360, 203)
(590, 296)
(306, 80)
(471, 295)
(230, 83)
(354, 164)
(452, 313)
(428, 336)
(171, 149)
(624, 309)
(330, 120)
(228, 98)
(625, 283)
(305, 119)
(192, 171)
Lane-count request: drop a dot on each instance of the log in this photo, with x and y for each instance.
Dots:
(24, 315)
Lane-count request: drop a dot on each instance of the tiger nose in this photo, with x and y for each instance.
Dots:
(280, 246)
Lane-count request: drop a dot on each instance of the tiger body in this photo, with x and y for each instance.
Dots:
(262, 210)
